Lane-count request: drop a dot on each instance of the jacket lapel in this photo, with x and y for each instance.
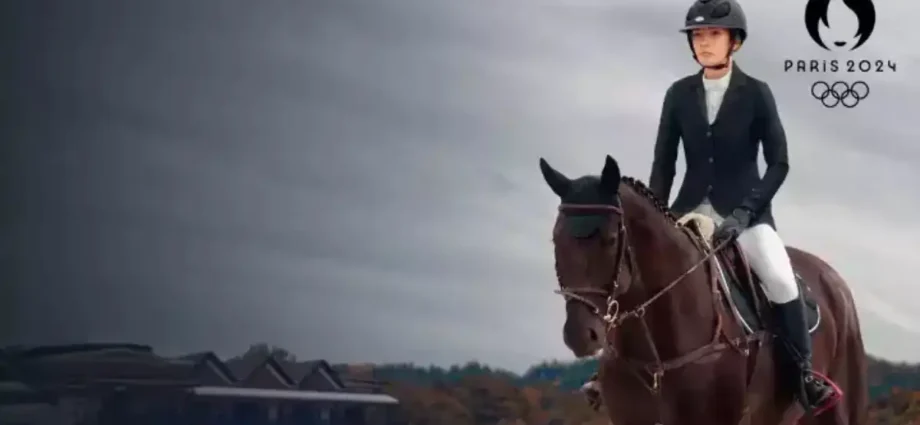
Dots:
(700, 97)
(732, 93)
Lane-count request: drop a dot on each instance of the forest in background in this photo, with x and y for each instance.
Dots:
(546, 394)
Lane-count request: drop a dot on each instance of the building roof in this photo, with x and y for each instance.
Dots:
(363, 383)
(106, 364)
(363, 387)
(34, 352)
(209, 358)
(300, 371)
(197, 357)
(243, 368)
(360, 378)
(242, 392)
(30, 372)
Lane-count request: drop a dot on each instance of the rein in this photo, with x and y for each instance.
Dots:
(613, 318)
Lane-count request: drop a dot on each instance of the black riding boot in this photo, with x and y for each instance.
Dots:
(813, 393)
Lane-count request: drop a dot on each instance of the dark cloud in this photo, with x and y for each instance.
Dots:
(357, 180)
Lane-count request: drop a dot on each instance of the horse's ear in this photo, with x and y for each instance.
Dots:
(610, 177)
(559, 183)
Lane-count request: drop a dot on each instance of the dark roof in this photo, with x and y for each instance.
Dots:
(99, 364)
(303, 370)
(358, 374)
(242, 368)
(364, 382)
(364, 386)
(360, 378)
(56, 350)
(196, 357)
(203, 357)
(300, 370)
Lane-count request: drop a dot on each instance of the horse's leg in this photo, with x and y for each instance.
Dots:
(850, 374)
(857, 395)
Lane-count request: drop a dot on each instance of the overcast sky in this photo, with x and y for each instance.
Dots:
(358, 181)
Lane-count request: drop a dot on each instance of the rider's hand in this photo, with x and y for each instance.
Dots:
(732, 226)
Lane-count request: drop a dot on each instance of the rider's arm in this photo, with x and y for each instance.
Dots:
(775, 153)
(665, 149)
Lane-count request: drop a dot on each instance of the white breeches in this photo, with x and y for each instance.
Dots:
(767, 255)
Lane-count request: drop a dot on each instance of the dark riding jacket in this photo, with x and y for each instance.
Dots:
(722, 157)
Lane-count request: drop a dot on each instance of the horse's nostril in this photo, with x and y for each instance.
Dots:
(593, 335)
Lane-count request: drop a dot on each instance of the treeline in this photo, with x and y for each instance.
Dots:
(546, 395)
(566, 375)
(884, 376)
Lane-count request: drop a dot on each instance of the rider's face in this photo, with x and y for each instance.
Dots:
(711, 45)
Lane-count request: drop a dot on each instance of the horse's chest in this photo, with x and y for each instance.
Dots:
(711, 394)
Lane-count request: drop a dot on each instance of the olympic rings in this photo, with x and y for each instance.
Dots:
(840, 93)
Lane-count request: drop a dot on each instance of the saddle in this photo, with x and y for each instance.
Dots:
(740, 286)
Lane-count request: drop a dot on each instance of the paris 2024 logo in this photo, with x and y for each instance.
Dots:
(816, 12)
(840, 27)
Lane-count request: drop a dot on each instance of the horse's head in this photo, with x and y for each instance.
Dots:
(588, 251)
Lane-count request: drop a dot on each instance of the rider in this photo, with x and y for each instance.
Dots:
(722, 114)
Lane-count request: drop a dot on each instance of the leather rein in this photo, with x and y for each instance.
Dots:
(613, 318)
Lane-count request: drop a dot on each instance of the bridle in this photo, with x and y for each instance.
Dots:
(610, 312)
(613, 318)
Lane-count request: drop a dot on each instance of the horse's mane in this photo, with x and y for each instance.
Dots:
(650, 196)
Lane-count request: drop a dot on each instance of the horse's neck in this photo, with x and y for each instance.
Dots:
(655, 237)
(681, 317)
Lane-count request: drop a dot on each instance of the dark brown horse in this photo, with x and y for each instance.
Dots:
(645, 291)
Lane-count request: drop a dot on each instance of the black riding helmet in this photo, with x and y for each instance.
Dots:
(716, 14)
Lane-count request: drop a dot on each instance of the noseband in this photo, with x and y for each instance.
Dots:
(611, 313)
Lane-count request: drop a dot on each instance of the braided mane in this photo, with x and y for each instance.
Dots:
(647, 193)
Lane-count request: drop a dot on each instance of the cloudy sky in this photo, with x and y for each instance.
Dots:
(357, 180)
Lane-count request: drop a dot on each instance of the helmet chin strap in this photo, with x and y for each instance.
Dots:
(718, 67)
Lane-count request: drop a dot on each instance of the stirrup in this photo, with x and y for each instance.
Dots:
(821, 406)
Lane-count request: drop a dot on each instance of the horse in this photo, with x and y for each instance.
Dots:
(682, 328)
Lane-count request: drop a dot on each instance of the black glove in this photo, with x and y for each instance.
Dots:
(733, 226)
